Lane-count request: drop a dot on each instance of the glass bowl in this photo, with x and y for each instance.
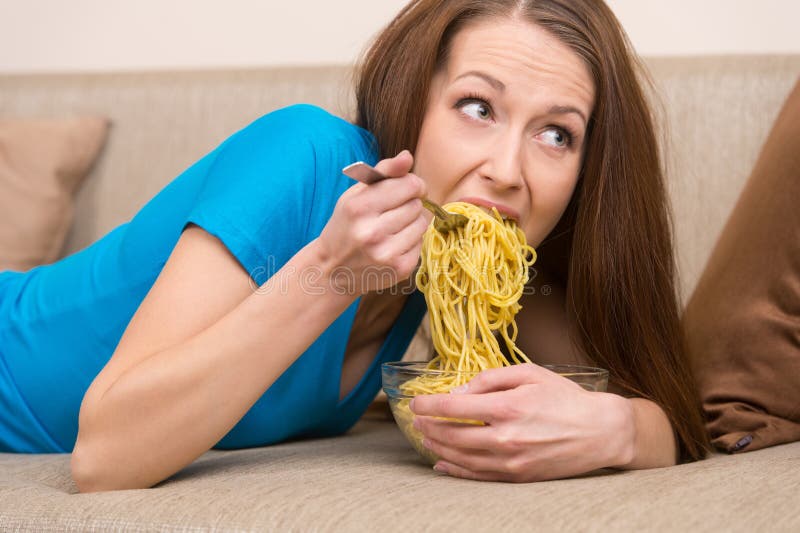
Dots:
(395, 375)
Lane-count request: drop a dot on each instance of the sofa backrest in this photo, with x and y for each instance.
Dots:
(718, 111)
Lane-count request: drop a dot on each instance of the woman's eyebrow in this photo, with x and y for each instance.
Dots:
(494, 82)
(566, 109)
(500, 87)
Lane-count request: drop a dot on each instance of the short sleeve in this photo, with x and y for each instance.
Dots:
(271, 181)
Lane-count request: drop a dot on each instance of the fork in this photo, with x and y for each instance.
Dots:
(444, 221)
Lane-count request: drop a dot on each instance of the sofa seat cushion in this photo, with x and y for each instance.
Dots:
(370, 478)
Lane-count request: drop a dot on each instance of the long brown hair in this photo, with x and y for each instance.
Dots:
(620, 287)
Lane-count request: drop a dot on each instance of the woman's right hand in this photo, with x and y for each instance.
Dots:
(374, 236)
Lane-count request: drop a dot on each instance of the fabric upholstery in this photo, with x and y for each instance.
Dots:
(371, 480)
(717, 112)
(743, 321)
(163, 122)
(42, 163)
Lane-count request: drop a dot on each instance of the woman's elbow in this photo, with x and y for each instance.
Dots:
(83, 471)
(91, 474)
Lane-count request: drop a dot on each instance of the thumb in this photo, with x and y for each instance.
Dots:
(396, 166)
(500, 379)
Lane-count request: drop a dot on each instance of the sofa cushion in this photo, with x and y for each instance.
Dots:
(42, 163)
(371, 480)
(743, 320)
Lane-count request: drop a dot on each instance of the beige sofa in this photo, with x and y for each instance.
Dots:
(718, 111)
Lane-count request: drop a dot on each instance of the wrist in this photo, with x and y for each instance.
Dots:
(622, 450)
(330, 273)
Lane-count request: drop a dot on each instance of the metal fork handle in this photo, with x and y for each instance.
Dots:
(362, 172)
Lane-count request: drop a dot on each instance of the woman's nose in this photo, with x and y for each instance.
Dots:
(503, 164)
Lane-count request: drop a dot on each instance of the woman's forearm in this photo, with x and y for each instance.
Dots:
(654, 443)
(164, 412)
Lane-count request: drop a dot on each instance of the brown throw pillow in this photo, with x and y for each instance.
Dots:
(42, 163)
(743, 320)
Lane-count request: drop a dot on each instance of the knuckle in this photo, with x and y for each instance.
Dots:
(443, 403)
(514, 466)
(381, 166)
(480, 379)
(418, 186)
(441, 433)
(364, 234)
(416, 207)
(382, 256)
(524, 396)
(506, 410)
(503, 440)
(351, 192)
(530, 370)
(409, 189)
(423, 187)
(431, 443)
(352, 207)
(471, 465)
(421, 225)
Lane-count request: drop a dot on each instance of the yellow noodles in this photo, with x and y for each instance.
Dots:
(472, 279)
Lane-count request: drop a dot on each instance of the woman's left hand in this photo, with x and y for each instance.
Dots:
(539, 426)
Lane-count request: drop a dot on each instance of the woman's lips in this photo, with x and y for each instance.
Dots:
(504, 210)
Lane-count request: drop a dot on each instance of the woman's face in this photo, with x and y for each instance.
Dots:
(505, 123)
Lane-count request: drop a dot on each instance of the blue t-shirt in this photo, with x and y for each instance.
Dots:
(265, 192)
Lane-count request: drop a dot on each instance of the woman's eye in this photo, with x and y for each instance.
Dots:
(558, 137)
(476, 110)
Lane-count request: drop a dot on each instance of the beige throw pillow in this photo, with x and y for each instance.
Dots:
(42, 164)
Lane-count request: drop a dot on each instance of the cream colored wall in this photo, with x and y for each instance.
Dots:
(90, 35)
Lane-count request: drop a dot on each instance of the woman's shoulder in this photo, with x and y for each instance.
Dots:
(300, 136)
(310, 123)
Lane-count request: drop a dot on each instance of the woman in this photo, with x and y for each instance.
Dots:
(532, 107)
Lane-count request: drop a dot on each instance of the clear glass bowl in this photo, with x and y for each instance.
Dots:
(394, 375)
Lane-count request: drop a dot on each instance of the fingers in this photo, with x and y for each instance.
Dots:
(484, 465)
(399, 187)
(400, 217)
(476, 460)
(393, 192)
(455, 470)
(410, 241)
(410, 236)
(485, 397)
(459, 435)
(397, 166)
(401, 250)
(483, 408)
(504, 378)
